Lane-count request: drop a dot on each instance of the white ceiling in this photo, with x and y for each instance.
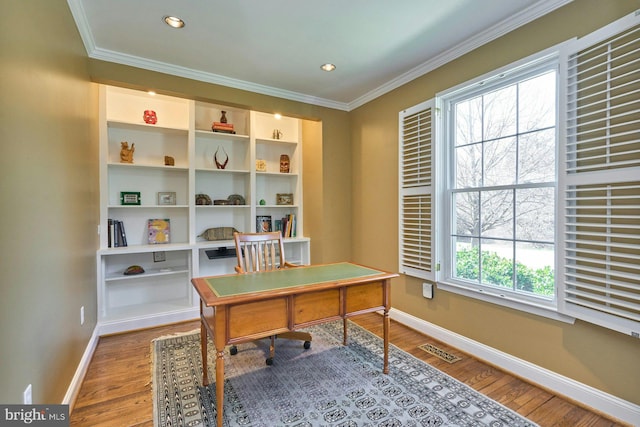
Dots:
(276, 47)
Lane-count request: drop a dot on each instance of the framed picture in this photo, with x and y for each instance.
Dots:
(130, 198)
(284, 199)
(159, 230)
(263, 223)
(167, 198)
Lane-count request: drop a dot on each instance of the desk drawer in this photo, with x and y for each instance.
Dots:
(364, 297)
(314, 306)
(257, 318)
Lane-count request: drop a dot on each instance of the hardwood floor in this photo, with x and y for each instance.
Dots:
(117, 388)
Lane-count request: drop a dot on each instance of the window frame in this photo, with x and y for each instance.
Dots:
(549, 59)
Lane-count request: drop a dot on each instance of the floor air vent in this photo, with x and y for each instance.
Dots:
(444, 355)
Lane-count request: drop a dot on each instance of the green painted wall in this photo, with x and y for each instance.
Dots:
(48, 113)
(48, 188)
(601, 358)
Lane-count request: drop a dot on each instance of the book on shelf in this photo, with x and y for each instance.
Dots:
(223, 125)
(288, 226)
(294, 221)
(123, 235)
(159, 231)
(116, 237)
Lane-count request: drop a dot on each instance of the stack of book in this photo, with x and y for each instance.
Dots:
(222, 127)
(289, 226)
(117, 237)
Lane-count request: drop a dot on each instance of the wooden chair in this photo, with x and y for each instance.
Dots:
(265, 252)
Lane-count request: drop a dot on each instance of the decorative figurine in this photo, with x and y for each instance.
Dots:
(133, 269)
(203, 199)
(236, 199)
(277, 134)
(218, 233)
(169, 161)
(284, 163)
(150, 117)
(222, 126)
(126, 153)
(215, 159)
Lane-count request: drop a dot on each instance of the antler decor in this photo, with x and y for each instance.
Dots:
(215, 159)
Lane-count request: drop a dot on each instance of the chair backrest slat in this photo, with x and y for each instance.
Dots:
(259, 251)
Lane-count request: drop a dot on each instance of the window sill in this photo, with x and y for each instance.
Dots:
(548, 311)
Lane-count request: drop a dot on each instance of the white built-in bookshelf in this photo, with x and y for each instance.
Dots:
(158, 191)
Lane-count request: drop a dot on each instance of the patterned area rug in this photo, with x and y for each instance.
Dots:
(327, 385)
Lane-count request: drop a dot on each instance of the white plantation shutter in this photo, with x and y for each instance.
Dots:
(416, 190)
(600, 280)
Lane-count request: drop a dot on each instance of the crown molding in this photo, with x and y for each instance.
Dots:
(533, 12)
(176, 70)
(79, 15)
(504, 27)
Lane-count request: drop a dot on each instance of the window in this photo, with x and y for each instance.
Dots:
(500, 142)
(535, 173)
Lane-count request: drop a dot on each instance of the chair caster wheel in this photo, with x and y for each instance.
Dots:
(233, 350)
(307, 345)
(269, 361)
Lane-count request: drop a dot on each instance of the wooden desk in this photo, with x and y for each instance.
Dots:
(237, 308)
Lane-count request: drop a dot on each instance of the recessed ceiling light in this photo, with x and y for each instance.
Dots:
(328, 67)
(173, 21)
(278, 116)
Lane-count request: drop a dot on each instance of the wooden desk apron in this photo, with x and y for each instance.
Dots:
(261, 304)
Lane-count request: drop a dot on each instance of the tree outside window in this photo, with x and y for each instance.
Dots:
(503, 156)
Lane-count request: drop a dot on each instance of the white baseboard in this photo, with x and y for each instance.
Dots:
(115, 327)
(81, 371)
(147, 321)
(598, 400)
(564, 386)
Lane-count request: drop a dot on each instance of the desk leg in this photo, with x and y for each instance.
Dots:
(203, 347)
(344, 331)
(386, 323)
(219, 384)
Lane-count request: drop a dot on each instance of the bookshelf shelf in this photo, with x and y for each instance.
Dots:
(146, 274)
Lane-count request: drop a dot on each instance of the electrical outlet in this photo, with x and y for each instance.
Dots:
(159, 256)
(26, 396)
(427, 290)
(82, 315)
